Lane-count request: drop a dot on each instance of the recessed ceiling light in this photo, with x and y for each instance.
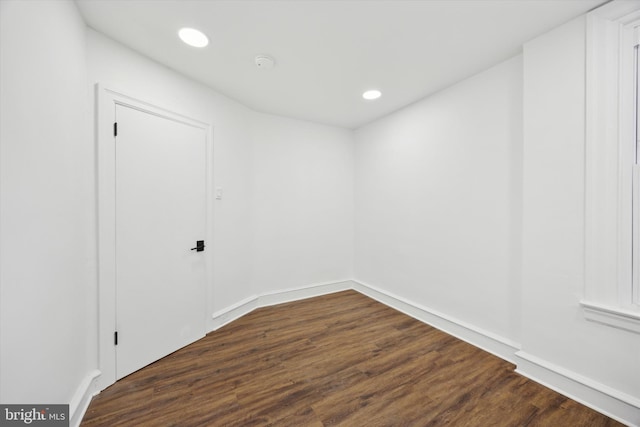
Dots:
(193, 37)
(372, 94)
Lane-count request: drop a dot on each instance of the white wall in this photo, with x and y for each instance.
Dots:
(554, 328)
(47, 208)
(303, 210)
(438, 202)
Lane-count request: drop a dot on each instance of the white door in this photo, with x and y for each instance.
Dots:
(160, 214)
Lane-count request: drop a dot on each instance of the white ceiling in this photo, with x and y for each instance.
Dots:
(328, 52)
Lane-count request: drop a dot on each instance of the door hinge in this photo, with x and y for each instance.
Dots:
(115, 338)
(115, 129)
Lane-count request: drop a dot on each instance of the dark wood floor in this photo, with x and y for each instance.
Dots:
(341, 359)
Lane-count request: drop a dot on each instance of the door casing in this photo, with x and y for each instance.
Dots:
(106, 101)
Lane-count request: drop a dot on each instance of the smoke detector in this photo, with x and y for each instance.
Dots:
(264, 62)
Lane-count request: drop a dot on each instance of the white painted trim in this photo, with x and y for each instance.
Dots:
(493, 343)
(604, 399)
(624, 12)
(607, 400)
(233, 312)
(612, 316)
(609, 152)
(106, 101)
(296, 294)
(247, 305)
(82, 398)
(611, 402)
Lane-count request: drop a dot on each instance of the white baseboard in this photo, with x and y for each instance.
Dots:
(288, 295)
(606, 400)
(487, 341)
(236, 311)
(82, 397)
(229, 314)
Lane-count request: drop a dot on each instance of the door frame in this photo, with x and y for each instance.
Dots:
(106, 101)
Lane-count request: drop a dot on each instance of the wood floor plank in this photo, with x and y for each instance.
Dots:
(337, 360)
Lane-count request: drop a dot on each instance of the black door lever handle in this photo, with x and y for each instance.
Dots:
(199, 246)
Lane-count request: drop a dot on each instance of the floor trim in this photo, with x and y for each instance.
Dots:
(606, 400)
(487, 341)
(82, 397)
(227, 315)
